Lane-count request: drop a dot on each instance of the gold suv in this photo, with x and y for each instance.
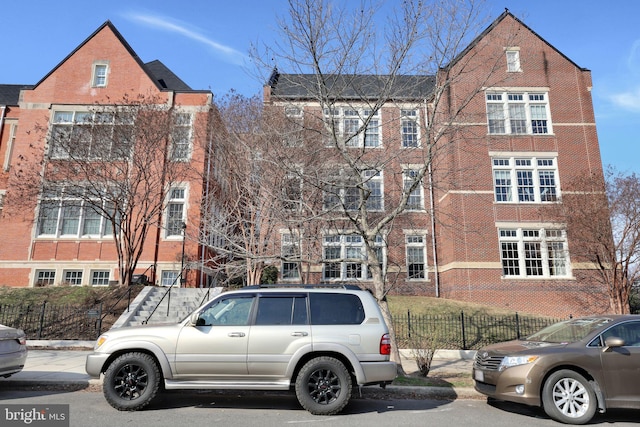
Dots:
(571, 369)
(320, 341)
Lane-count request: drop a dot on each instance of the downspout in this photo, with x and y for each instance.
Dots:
(165, 155)
(206, 206)
(3, 109)
(436, 275)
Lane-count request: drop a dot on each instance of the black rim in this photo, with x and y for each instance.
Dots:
(130, 381)
(324, 386)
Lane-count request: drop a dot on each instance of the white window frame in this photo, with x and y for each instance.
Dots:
(69, 209)
(176, 196)
(513, 59)
(100, 74)
(525, 178)
(169, 277)
(348, 261)
(415, 242)
(290, 248)
(349, 126)
(529, 252)
(81, 123)
(181, 136)
(417, 192)
(518, 112)
(100, 277)
(73, 277)
(45, 277)
(344, 193)
(409, 126)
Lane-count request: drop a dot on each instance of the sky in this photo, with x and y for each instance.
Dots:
(206, 43)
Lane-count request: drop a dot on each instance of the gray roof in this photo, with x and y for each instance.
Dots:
(165, 77)
(10, 94)
(358, 86)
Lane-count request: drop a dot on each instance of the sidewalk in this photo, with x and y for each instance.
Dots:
(53, 363)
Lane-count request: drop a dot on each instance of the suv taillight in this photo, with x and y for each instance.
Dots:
(385, 344)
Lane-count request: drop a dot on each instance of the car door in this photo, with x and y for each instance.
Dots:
(216, 347)
(621, 365)
(281, 329)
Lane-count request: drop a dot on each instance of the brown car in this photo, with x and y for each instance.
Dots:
(571, 369)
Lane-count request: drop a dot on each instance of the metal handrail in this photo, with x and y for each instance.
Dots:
(168, 292)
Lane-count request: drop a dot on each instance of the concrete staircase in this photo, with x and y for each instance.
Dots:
(153, 301)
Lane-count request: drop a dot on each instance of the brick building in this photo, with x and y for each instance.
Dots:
(524, 124)
(52, 239)
(474, 226)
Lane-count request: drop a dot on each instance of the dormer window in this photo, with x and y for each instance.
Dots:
(513, 60)
(99, 78)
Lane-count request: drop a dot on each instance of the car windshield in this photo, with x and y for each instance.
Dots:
(569, 330)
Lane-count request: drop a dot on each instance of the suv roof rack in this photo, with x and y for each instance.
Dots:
(304, 286)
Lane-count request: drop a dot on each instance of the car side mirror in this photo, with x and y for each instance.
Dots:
(194, 318)
(612, 342)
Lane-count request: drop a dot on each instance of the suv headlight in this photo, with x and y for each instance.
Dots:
(511, 361)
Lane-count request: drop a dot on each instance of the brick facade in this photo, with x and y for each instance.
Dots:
(469, 217)
(69, 86)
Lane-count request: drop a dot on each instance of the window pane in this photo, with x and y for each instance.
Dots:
(169, 277)
(372, 134)
(557, 259)
(547, 186)
(510, 259)
(503, 186)
(174, 219)
(518, 118)
(533, 258)
(92, 220)
(70, 218)
(48, 221)
(345, 309)
(525, 186)
(100, 277)
(496, 118)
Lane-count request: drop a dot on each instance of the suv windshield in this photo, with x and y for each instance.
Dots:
(568, 331)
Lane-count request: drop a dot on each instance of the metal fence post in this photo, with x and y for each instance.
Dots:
(409, 323)
(464, 335)
(99, 320)
(517, 326)
(40, 326)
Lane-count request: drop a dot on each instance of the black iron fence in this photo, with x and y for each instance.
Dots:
(461, 331)
(47, 321)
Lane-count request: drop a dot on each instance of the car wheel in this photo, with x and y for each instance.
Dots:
(131, 381)
(323, 386)
(567, 397)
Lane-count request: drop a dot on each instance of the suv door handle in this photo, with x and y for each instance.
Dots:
(299, 334)
(236, 334)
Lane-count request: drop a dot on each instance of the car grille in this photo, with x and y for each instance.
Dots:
(487, 363)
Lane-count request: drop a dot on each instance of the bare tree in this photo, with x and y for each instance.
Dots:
(244, 197)
(341, 62)
(115, 163)
(603, 222)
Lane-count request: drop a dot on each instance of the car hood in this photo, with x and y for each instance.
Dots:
(521, 346)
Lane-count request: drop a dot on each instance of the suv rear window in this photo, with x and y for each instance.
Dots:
(335, 309)
(282, 310)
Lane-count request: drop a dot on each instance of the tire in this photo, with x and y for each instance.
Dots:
(568, 397)
(323, 386)
(131, 381)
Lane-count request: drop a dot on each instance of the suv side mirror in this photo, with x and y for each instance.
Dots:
(612, 342)
(193, 319)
